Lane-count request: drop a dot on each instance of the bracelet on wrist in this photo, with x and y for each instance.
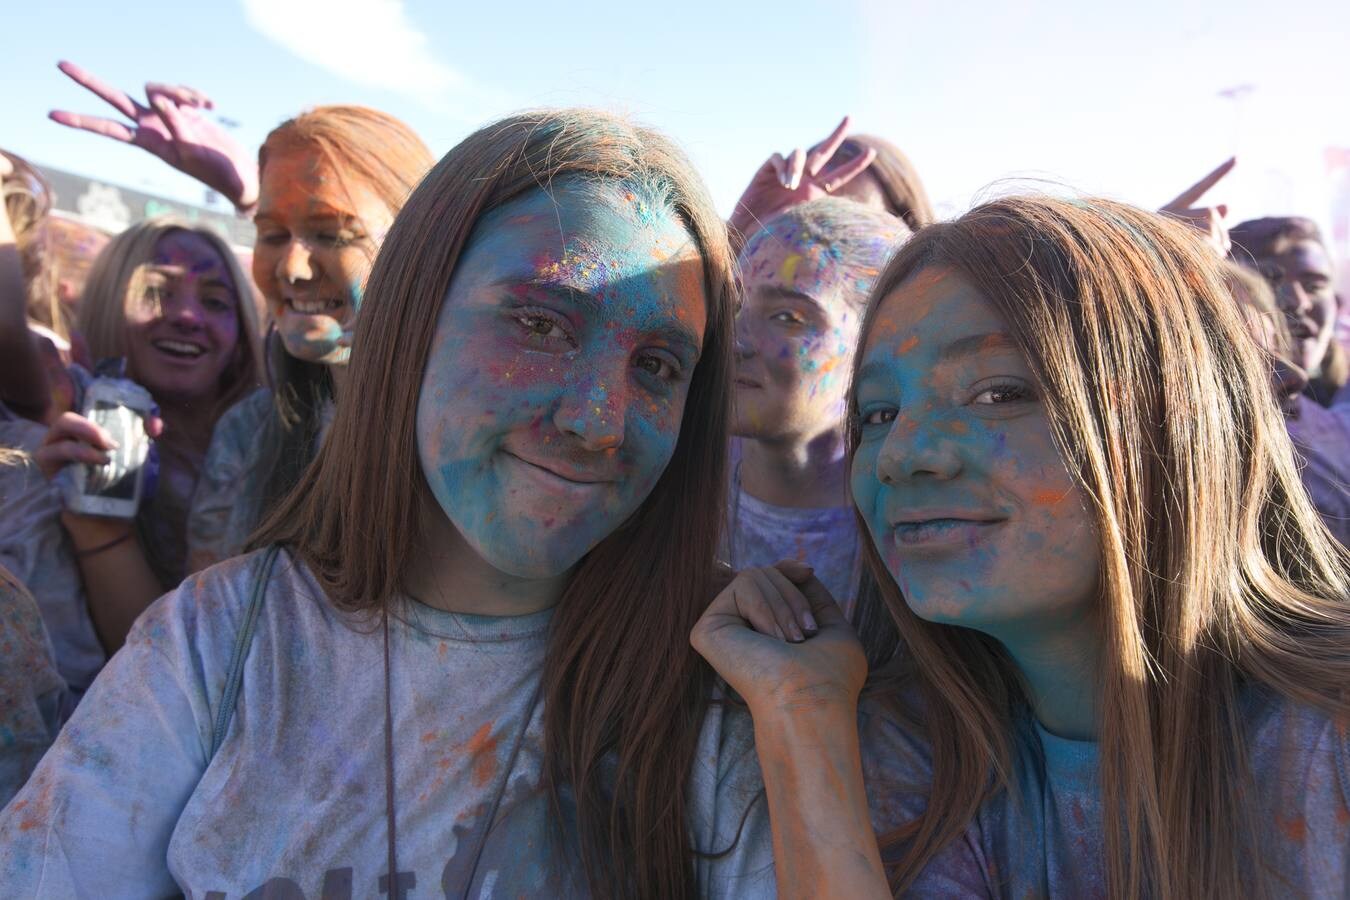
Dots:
(108, 545)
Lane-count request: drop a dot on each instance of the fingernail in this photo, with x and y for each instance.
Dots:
(809, 621)
(797, 635)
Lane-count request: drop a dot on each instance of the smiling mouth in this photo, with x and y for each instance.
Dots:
(179, 349)
(564, 475)
(315, 307)
(942, 531)
(747, 383)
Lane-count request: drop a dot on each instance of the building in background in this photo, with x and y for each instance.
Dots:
(111, 208)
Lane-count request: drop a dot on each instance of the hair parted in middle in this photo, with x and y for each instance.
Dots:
(116, 274)
(623, 690)
(1217, 572)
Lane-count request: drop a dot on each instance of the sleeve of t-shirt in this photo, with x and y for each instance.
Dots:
(223, 504)
(97, 815)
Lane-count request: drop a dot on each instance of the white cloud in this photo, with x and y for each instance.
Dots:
(368, 42)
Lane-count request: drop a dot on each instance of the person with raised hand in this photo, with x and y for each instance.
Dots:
(24, 203)
(862, 168)
(171, 124)
(457, 657)
(323, 192)
(1210, 221)
(805, 278)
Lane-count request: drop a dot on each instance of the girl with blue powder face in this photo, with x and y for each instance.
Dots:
(805, 278)
(466, 667)
(1119, 658)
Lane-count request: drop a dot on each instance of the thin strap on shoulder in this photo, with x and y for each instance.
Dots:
(243, 640)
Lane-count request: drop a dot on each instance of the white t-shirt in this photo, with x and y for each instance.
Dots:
(128, 804)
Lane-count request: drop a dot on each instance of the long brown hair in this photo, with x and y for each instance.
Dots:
(114, 277)
(899, 180)
(620, 683)
(362, 146)
(1217, 571)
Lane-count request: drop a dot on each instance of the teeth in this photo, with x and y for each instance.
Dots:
(314, 307)
(180, 347)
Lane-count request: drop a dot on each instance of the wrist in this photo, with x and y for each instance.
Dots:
(788, 709)
(89, 532)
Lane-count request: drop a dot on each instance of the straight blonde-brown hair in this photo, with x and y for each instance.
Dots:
(623, 692)
(1217, 572)
(115, 275)
(361, 146)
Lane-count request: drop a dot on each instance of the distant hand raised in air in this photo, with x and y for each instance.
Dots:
(801, 176)
(173, 128)
(1209, 220)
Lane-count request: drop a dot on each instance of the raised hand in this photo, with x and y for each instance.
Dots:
(171, 127)
(1210, 221)
(801, 176)
(779, 639)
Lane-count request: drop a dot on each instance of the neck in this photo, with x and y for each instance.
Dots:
(450, 575)
(1059, 662)
(338, 375)
(796, 472)
(188, 423)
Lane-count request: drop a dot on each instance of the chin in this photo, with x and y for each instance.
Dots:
(525, 558)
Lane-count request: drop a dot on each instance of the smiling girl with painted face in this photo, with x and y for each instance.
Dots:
(805, 277)
(1124, 647)
(330, 183)
(168, 298)
(466, 668)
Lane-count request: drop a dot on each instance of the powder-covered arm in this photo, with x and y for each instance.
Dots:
(97, 815)
(803, 699)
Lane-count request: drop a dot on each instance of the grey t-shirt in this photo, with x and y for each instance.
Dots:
(1051, 842)
(128, 804)
(35, 548)
(761, 534)
(228, 503)
(32, 694)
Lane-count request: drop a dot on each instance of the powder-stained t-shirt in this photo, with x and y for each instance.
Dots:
(32, 694)
(228, 503)
(760, 534)
(127, 803)
(231, 492)
(1321, 436)
(34, 547)
(1052, 844)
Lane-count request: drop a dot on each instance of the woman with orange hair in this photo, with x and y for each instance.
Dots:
(325, 189)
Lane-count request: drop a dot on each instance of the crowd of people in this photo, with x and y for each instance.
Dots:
(514, 525)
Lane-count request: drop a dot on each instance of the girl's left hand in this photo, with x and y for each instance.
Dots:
(779, 639)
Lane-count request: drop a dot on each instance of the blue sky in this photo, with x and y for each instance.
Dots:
(1121, 99)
